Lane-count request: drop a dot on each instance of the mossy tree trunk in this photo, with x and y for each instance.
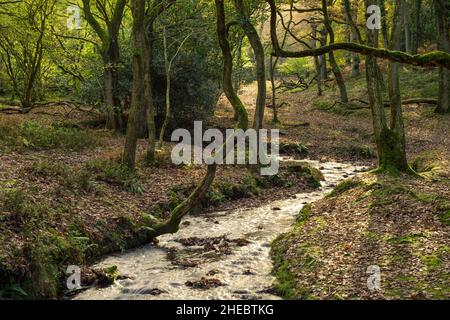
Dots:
(334, 66)
(390, 141)
(230, 93)
(442, 9)
(397, 126)
(142, 103)
(137, 94)
(273, 66)
(316, 60)
(323, 58)
(351, 17)
(258, 51)
(415, 29)
(149, 99)
(109, 50)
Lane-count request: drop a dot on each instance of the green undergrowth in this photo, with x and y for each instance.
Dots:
(31, 135)
(113, 172)
(40, 239)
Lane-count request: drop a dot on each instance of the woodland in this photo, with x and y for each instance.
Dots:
(92, 90)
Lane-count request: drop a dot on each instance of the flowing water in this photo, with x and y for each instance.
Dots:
(242, 267)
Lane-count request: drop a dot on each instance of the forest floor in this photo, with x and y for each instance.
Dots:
(65, 198)
(399, 224)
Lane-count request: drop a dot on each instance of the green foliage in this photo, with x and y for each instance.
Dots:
(32, 135)
(115, 173)
(295, 66)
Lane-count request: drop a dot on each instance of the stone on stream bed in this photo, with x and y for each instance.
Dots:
(211, 242)
(205, 283)
(144, 291)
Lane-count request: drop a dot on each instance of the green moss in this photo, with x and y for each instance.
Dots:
(313, 175)
(426, 161)
(407, 239)
(444, 217)
(426, 197)
(360, 150)
(309, 256)
(304, 214)
(434, 261)
(343, 187)
(285, 284)
(293, 149)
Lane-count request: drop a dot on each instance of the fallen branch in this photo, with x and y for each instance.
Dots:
(404, 102)
(72, 105)
(430, 59)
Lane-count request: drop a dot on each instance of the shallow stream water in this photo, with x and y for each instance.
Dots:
(162, 271)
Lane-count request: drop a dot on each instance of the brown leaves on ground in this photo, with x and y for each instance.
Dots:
(394, 223)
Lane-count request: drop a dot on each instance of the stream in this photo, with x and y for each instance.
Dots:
(234, 264)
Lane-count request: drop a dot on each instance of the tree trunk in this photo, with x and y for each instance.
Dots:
(397, 131)
(406, 29)
(230, 93)
(389, 141)
(148, 95)
(323, 58)
(348, 54)
(334, 66)
(258, 51)
(138, 87)
(316, 60)
(351, 18)
(273, 65)
(415, 34)
(109, 98)
(167, 70)
(173, 223)
(442, 8)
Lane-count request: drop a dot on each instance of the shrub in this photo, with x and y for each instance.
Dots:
(42, 137)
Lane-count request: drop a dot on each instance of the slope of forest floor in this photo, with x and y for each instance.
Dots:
(400, 224)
